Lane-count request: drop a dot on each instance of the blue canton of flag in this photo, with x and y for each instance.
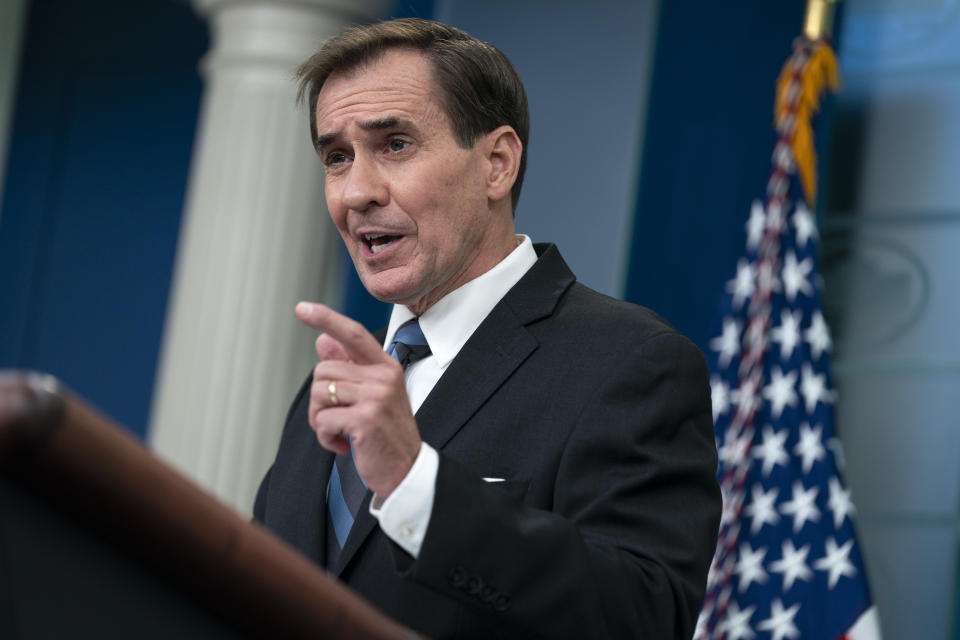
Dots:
(787, 563)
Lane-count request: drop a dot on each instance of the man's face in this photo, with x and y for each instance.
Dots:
(410, 204)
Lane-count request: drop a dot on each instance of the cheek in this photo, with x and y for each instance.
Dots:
(336, 212)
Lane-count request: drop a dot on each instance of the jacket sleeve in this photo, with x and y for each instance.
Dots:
(624, 550)
(260, 501)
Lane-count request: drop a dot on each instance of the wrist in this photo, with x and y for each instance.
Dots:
(405, 514)
(401, 471)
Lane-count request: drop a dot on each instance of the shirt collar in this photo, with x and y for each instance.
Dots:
(450, 322)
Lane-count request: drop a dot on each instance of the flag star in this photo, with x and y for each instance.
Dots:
(793, 564)
(772, 451)
(737, 623)
(761, 509)
(836, 561)
(727, 344)
(813, 387)
(802, 506)
(780, 392)
(755, 225)
(750, 566)
(810, 447)
(780, 623)
(788, 333)
(795, 276)
(840, 503)
(743, 284)
(818, 335)
(805, 224)
(719, 396)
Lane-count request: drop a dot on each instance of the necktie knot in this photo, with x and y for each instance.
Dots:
(409, 344)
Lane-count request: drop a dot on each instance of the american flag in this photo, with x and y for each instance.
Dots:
(787, 563)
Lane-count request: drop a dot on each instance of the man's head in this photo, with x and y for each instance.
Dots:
(476, 85)
(420, 210)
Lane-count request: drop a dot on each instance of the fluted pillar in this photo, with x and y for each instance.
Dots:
(255, 239)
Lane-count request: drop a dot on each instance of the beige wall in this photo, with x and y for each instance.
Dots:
(892, 276)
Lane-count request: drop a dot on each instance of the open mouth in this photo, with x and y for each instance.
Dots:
(377, 242)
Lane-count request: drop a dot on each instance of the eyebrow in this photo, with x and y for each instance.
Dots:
(370, 125)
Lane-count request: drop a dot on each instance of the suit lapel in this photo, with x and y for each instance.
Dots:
(496, 349)
(499, 345)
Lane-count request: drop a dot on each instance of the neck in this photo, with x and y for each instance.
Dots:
(492, 256)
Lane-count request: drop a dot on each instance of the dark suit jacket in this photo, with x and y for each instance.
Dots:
(598, 415)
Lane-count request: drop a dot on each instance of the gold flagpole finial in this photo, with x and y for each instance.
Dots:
(818, 23)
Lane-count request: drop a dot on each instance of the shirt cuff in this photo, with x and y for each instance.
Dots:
(405, 515)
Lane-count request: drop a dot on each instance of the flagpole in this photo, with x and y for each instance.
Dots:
(818, 22)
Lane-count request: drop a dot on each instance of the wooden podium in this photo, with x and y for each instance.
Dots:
(99, 539)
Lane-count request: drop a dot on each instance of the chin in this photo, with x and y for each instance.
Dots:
(390, 292)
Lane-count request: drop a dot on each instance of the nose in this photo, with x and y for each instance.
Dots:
(365, 185)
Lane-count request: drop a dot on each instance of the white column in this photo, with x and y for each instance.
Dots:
(13, 23)
(255, 239)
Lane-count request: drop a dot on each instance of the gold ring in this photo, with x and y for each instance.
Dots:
(332, 388)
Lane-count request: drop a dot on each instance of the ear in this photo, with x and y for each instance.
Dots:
(503, 151)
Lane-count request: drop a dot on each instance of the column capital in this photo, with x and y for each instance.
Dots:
(277, 34)
(354, 10)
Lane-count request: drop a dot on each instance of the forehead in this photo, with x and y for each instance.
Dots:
(398, 83)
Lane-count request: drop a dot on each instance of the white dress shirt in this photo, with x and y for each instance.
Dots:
(447, 325)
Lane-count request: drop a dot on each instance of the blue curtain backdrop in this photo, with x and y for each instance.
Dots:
(99, 153)
(707, 149)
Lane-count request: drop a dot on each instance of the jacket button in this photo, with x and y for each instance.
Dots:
(457, 577)
(502, 603)
(474, 585)
(489, 594)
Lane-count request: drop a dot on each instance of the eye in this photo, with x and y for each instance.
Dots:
(397, 144)
(335, 157)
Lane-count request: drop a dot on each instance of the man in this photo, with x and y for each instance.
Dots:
(546, 468)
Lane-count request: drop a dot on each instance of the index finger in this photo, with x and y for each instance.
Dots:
(359, 343)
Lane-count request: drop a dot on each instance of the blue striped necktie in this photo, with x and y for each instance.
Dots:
(347, 489)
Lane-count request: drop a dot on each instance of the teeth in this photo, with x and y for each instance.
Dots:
(377, 242)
